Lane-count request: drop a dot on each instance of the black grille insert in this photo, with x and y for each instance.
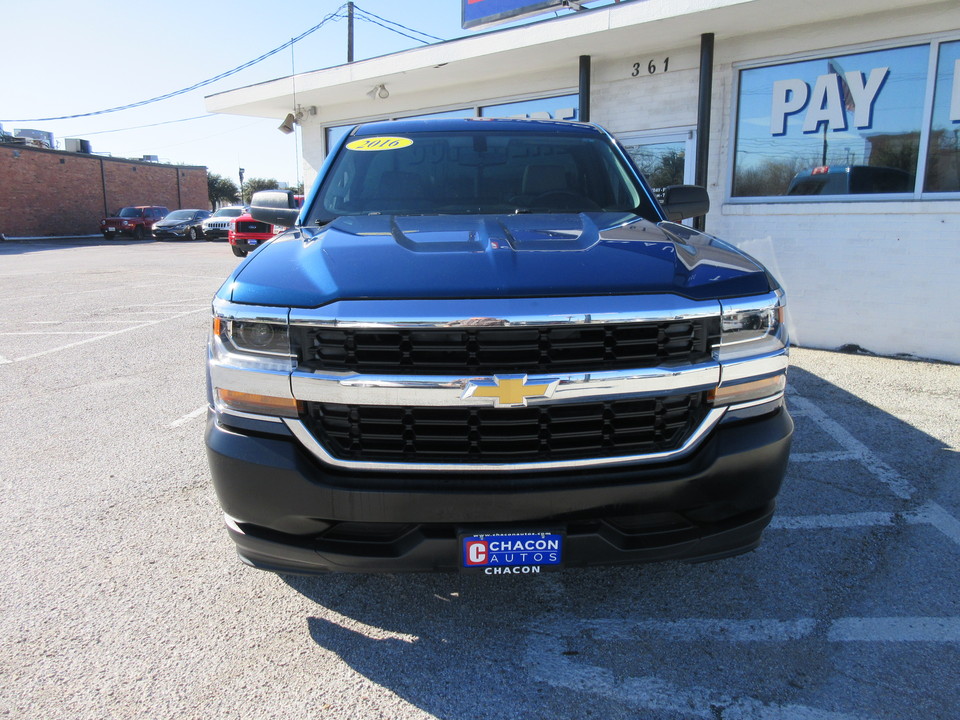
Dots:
(539, 433)
(491, 350)
(253, 226)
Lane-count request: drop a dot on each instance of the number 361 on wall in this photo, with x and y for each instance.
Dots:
(652, 67)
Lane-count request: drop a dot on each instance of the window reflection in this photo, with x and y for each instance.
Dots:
(840, 125)
(943, 155)
(562, 107)
(662, 163)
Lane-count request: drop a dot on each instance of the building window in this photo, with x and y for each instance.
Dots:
(561, 107)
(848, 124)
(943, 156)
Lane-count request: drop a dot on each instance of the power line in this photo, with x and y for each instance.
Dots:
(391, 22)
(140, 127)
(335, 15)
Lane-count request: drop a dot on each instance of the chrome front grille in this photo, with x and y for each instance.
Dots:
(542, 433)
(386, 384)
(489, 350)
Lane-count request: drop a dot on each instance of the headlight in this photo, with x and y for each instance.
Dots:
(250, 362)
(752, 354)
(752, 326)
(254, 336)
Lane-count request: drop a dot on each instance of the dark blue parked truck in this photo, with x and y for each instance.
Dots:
(484, 346)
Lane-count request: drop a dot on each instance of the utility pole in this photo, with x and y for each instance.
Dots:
(349, 32)
(241, 187)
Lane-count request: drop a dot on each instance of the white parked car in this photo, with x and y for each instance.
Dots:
(217, 225)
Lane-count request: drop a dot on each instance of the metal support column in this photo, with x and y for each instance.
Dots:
(703, 116)
(583, 114)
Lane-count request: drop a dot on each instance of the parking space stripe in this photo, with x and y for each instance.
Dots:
(696, 630)
(930, 514)
(937, 516)
(866, 457)
(824, 456)
(821, 522)
(895, 629)
(548, 662)
(184, 419)
(104, 336)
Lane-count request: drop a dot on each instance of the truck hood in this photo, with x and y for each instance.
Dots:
(471, 256)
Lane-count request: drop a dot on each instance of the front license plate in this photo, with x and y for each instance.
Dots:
(520, 553)
(111, 229)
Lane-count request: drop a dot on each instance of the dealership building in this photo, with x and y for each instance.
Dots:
(827, 134)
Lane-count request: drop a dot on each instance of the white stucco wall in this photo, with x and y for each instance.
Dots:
(881, 275)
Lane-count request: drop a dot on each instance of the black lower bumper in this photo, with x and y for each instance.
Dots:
(290, 513)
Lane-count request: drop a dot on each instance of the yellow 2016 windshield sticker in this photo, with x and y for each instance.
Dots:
(379, 143)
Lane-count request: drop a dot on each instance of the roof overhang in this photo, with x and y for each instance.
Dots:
(470, 69)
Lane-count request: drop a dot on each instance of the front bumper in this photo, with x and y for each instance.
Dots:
(249, 244)
(164, 233)
(289, 512)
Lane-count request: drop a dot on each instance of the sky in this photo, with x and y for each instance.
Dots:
(64, 58)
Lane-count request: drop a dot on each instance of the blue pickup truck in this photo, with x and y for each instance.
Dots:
(484, 346)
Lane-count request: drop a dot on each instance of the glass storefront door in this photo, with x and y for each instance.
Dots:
(665, 158)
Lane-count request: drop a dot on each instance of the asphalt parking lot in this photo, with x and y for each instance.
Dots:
(123, 597)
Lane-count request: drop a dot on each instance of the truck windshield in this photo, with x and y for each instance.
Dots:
(446, 173)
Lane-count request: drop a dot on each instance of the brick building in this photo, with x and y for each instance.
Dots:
(51, 192)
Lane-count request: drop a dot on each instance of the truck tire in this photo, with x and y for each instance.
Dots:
(238, 252)
(138, 232)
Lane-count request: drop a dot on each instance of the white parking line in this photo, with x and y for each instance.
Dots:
(823, 456)
(184, 419)
(104, 336)
(548, 663)
(856, 449)
(696, 630)
(915, 629)
(550, 659)
(929, 514)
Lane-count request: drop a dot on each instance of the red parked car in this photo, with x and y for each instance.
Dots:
(246, 233)
(136, 221)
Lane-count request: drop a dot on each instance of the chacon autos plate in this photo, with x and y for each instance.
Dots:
(512, 553)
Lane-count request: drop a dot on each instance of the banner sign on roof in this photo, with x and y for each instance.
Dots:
(480, 13)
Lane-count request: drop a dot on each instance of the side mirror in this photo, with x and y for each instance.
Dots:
(685, 201)
(275, 207)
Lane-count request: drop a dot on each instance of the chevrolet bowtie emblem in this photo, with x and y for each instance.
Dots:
(509, 390)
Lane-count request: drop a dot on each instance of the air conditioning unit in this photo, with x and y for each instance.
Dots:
(77, 145)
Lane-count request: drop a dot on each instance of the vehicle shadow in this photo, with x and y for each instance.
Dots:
(23, 247)
(461, 647)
